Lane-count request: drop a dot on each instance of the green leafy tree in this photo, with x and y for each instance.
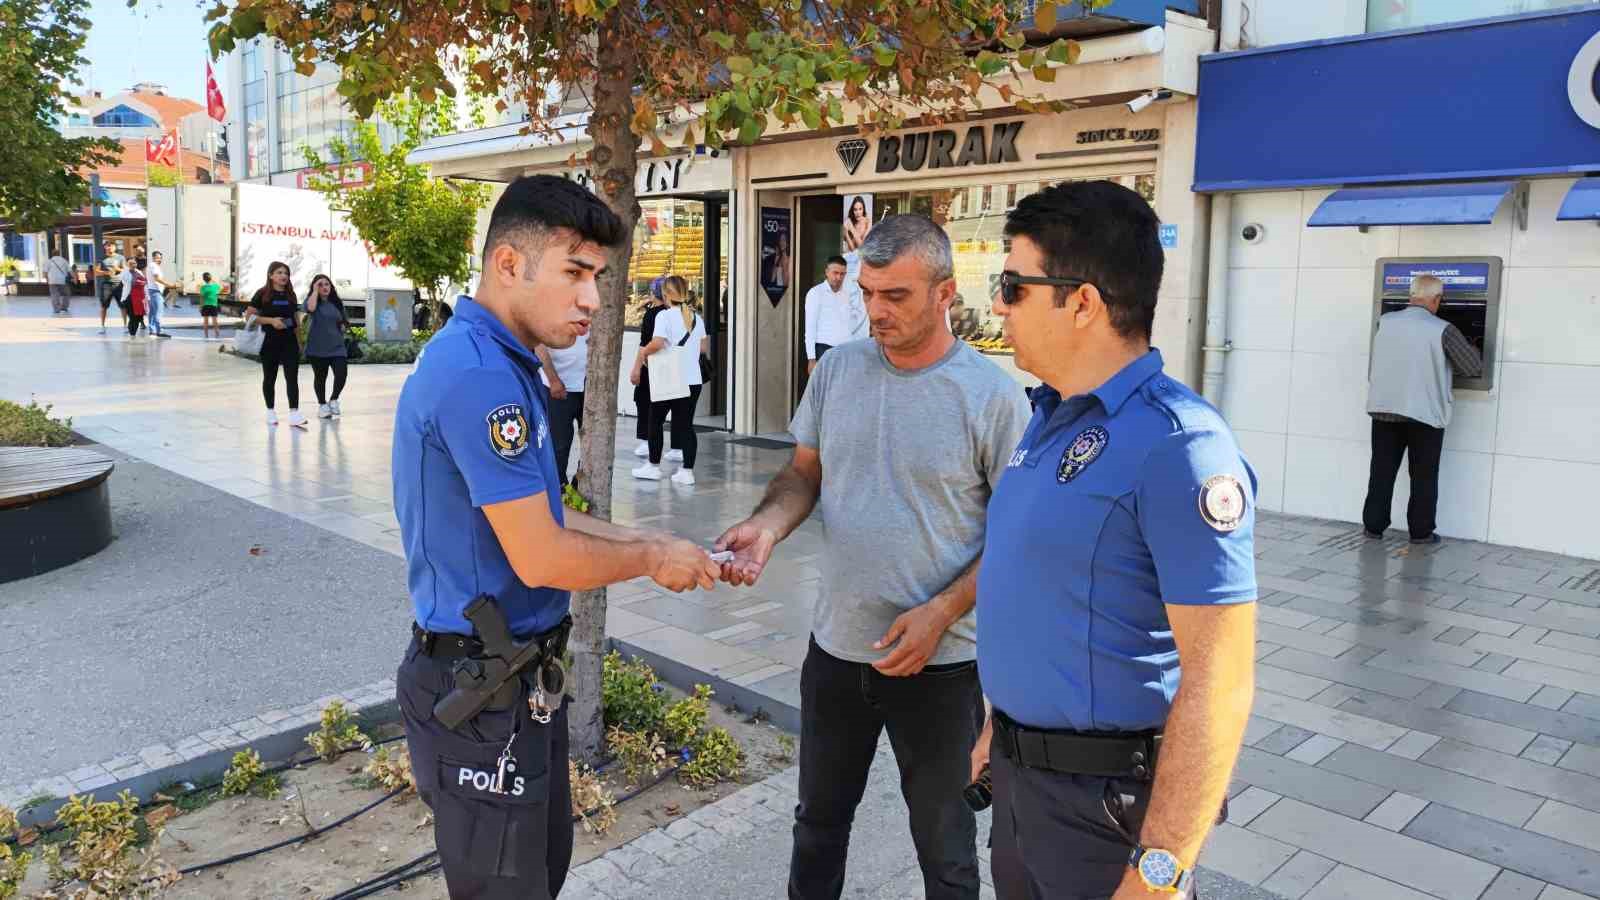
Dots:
(424, 225)
(164, 176)
(684, 71)
(40, 170)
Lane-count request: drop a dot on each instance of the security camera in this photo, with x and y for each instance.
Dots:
(1253, 233)
(1139, 103)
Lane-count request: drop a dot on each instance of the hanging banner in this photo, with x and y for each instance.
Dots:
(857, 222)
(775, 253)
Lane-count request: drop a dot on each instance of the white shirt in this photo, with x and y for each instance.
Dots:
(833, 317)
(669, 327)
(571, 364)
(56, 269)
(152, 273)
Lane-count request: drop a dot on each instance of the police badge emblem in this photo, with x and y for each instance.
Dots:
(1081, 451)
(1222, 502)
(508, 430)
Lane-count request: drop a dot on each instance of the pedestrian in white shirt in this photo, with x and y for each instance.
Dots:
(834, 313)
(158, 285)
(675, 327)
(56, 270)
(563, 372)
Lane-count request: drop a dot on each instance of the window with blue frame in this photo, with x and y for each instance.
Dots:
(82, 254)
(18, 246)
(124, 116)
(1392, 15)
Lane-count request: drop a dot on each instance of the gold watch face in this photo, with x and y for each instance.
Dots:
(1159, 869)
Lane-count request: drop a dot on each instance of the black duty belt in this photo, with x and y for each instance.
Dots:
(445, 645)
(1106, 754)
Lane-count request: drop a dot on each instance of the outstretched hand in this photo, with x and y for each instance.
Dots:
(751, 546)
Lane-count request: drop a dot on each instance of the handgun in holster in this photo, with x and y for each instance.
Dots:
(492, 679)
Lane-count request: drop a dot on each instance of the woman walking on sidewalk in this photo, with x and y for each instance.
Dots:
(326, 324)
(274, 307)
(133, 287)
(677, 327)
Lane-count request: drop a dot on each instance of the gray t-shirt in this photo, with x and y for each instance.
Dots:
(909, 460)
(323, 337)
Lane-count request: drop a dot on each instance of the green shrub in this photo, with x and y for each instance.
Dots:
(630, 698)
(641, 754)
(686, 717)
(715, 758)
(388, 354)
(337, 734)
(13, 865)
(104, 837)
(246, 775)
(32, 426)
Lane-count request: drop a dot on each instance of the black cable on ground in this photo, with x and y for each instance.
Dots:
(237, 857)
(394, 877)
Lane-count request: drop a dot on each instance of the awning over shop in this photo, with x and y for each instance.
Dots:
(1426, 204)
(1582, 202)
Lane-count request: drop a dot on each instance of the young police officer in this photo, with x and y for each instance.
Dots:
(479, 504)
(1119, 544)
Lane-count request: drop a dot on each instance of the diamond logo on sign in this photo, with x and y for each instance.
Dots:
(851, 153)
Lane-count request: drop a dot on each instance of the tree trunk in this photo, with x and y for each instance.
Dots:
(614, 162)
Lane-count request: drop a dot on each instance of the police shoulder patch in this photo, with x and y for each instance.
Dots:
(1222, 502)
(508, 430)
(1082, 450)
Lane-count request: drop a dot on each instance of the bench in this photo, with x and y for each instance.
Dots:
(55, 508)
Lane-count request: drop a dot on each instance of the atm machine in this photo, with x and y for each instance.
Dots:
(1471, 300)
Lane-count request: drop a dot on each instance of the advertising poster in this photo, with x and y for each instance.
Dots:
(857, 222)
(776, 253)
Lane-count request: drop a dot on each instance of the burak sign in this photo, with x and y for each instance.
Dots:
(981, 145)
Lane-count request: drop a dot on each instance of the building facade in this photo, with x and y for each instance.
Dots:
(1347, 163)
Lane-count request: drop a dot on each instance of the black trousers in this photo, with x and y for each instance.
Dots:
(280, 349)
(1421, 445)
(566, 416)
(510, 845)
(319, 375)
(933, 719)
(683, 436)
(133, 324)
(641, 406)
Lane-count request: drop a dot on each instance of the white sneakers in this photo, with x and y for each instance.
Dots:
(674, 456)
(323, 412)
(333, 407)
(643, 450)
(297, 419)
(647, 472)
(272, 417)
(683, 476)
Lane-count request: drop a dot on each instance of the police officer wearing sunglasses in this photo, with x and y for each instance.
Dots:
(1116, 615)
(491, 553)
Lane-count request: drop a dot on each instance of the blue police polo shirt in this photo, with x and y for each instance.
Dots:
(1115, 503)
(472, 428)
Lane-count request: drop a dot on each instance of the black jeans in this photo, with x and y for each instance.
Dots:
(566, 416)
(133, 324)
(319, 375)
(280, 349)
(1422, 445)
(683, 436)
(510, 845)
(933, 720)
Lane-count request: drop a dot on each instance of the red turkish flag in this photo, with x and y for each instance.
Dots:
(163, 151)
(214, 105)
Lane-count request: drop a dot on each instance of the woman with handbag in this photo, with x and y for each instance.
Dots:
(274, 307)
(325, 348)
(683, 331)
(640, 376)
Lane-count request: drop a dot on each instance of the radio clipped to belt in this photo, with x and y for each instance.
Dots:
(492, 677)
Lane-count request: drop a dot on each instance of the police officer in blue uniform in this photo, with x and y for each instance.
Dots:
(479, 503)
(1116, 622)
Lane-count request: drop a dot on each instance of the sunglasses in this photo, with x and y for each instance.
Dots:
(1011, 282)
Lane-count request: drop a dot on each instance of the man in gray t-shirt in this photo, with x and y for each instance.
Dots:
(913, 430)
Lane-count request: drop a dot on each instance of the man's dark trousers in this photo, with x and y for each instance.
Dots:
(566, 415)
(933, 719)
(1421, 445)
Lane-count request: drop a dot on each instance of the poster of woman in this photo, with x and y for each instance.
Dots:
(775, 254)
(857, 222)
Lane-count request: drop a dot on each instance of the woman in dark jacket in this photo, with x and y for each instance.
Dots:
(326, 324)
(274, 308)
(641, 376)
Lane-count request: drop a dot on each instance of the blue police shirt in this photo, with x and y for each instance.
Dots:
(471, 429)
(1115, 503)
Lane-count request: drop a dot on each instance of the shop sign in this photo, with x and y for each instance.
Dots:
(1580, 82)
(1103, 135)
(981, 145)
(670, 175)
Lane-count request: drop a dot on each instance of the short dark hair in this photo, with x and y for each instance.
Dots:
(535, 205)
(836, 260)
(1105, 234)
(205, 276)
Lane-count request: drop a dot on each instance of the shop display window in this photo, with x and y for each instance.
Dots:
(974, 216)
(668, 240)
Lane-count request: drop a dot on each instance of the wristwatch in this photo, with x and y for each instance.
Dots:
(1160, 871)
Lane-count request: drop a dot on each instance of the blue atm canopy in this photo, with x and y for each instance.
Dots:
(1582, 202)
(1472, 203)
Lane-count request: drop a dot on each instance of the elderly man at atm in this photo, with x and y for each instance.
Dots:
(1409, 398)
